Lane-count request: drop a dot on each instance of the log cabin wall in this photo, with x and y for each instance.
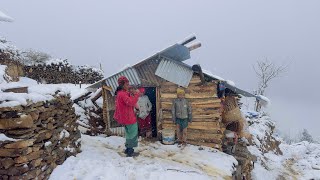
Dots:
(206, 128)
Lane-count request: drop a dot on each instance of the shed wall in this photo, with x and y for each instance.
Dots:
(206, 128)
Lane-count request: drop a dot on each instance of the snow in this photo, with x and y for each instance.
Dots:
(64, 134)
(231, 83)
(3, 74)
(36, 92)
(3, 137)
(48, 143)
(101, 159)
(298, 161)
(263, 98)
(4, 17)
(212, 75)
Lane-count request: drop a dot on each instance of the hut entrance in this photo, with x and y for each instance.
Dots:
(151, 93)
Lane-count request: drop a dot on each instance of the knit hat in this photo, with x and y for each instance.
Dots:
(142, 90)
(180, 91)
(122, 80)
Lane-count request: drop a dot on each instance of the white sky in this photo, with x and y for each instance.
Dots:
(234, 34)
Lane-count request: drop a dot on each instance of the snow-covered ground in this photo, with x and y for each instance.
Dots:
(298, 161)
(102, 158)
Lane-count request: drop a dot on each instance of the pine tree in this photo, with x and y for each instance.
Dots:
(306, 136)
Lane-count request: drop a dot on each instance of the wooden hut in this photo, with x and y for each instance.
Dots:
(161, 75)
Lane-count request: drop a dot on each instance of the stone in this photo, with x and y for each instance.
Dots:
(24, 121)
(4, 152)
(20, 144)
(29, 157)
(15, 108)
(7, 162)
(35, 163)
(13, 171)
(34, 115)
(28, 175)
(21, 131)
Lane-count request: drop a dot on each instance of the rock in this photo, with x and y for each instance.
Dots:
(20, 144)
(32, 156)
(21, 131)
(4, 152)
(24, 121)
(35, 163)
(29, 157)
(7, 162)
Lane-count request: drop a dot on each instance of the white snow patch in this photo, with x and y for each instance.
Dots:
(3, 137)
(101, 158)
(64, 134)
(48, 143)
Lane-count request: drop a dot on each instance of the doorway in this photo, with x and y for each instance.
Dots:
(151, 93)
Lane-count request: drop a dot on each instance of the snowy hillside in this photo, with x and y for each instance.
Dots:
(296, 161)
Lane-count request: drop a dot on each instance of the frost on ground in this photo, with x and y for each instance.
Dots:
(102, 158)
(295, 161)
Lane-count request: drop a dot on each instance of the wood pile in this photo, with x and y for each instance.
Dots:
(39, 137)
(62, 73)
(205, 128)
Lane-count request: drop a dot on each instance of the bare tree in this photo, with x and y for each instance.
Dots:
(266, 71)
(35, 57)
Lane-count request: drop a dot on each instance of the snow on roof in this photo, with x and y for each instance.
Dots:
(231, 83)
(4, 17)
(209, 73)
(265, 100)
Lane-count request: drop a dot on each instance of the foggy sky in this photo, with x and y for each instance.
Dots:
(234, 35)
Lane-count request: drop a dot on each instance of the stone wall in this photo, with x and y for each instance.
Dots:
(57, 73)
(34, 139)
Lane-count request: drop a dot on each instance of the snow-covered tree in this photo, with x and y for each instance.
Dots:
(35, 57)
(305, 136)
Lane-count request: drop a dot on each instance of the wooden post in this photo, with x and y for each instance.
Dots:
(158, 109)
(105, 109)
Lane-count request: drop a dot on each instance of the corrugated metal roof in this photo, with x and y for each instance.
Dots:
(112, 81)
(130, 73)
(174, 72)
(176, 52)
(146, 72)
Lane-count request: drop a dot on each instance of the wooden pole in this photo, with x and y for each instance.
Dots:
(105, 109)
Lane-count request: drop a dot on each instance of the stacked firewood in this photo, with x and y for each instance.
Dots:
(37, 137)
(62, 73)
(205, 128)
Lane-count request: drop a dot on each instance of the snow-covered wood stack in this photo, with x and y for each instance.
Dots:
(62, 72)
(36, 137)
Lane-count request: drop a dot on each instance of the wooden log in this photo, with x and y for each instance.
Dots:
(190, 95)
(198, 111)
(218, 119)
(194, 46)
(191, 126)
(190, 89)
(97, 96)
(197, 116)
(204, 136)
(194, 100)
(210, 131)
